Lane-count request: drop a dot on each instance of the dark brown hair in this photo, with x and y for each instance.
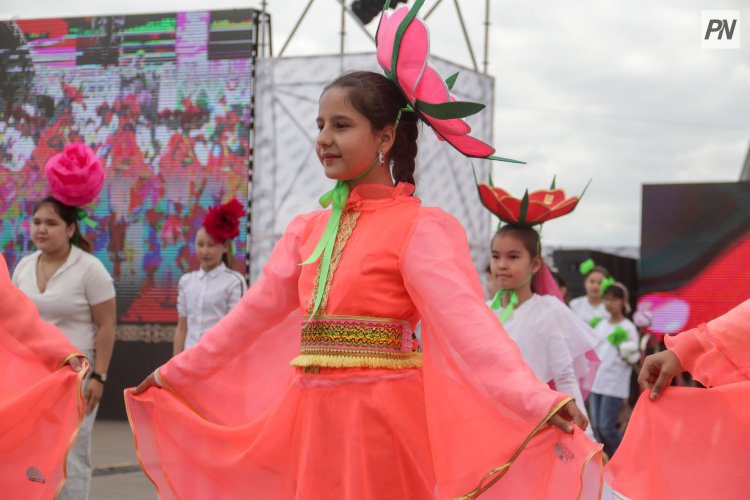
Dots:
(616, 292)
(69, 215)
(528, 236)
(597, 269)
(379, 99)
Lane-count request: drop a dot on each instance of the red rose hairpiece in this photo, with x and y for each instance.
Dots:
(222, 223)
(75, 175)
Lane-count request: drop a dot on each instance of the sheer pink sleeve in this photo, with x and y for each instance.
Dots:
(486, 410)
(717, 353)
(445, 287)
(212, 374)
(41, 403)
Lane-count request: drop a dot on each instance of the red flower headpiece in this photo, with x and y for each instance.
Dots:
(534, 208)
(222, 223)
(75, 176)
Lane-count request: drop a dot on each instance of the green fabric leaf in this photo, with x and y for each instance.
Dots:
(449, 110)
(552, 186)
(595, 321)
(451, 81)
(586, 266)
(400, 34)
(584, 189)
(524, 207)
(509, 160)
(618, 336)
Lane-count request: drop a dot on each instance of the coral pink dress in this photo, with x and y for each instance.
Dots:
(275, 404)
(693, 443)
(41, 403)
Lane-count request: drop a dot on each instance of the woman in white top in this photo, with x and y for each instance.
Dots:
(72, 290)
(208, 294)
(590, 307)
(617, 347)
(553, 341)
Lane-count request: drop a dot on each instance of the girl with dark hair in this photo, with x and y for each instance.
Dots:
(556, 344)
(618, 348)
(208, 294)
(590, 307)
(71, 288)
(365, 410)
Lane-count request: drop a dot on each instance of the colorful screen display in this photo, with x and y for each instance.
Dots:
(695, 252)
(165, 101)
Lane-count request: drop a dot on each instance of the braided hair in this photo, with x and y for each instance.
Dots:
(380, 100)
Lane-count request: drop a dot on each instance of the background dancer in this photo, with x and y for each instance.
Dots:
(71, 288)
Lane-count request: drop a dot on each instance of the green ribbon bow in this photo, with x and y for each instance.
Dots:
(606, 283)
(618, 336)
(336, 198)
(497, 302)
(586, 266)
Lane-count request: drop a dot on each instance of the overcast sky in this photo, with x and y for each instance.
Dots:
(617, 91)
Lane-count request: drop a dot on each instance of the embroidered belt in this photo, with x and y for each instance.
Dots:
(355, 342)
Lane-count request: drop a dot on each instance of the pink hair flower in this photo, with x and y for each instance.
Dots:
(75, 175)
(403, 46)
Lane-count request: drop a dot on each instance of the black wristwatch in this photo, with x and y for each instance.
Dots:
(101, 377)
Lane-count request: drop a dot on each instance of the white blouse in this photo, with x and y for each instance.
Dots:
(613, 376)
(540, 327)
(206, 297)
(584, 310)
(81, 282)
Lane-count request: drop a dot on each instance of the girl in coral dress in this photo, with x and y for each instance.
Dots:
(314, 386)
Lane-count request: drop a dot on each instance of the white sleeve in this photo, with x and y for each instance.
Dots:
(182, 296)
(235, 293)
(98, 284)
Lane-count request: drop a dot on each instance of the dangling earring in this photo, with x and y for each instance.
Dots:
(380, 158)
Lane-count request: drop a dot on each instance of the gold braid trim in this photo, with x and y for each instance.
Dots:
(488, 480)
(345, 229)
(71, 356)
(81, 407)
(333, 358)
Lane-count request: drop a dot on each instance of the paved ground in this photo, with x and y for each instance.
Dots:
(117, 475)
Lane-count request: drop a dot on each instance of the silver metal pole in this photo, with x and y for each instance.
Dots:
(486, 34)
(466, 36)
(294, 30)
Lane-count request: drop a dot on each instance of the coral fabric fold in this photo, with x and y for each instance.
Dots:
(41, 406)
(235, 420)
(693, 443)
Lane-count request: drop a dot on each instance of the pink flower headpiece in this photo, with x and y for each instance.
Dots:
(75, 175)
(403, 47)
(222, 223)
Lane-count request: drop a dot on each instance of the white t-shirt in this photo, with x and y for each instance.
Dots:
(206, 297)
(613, 376)
(541, 327)
(584, 310)
(81, 282)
